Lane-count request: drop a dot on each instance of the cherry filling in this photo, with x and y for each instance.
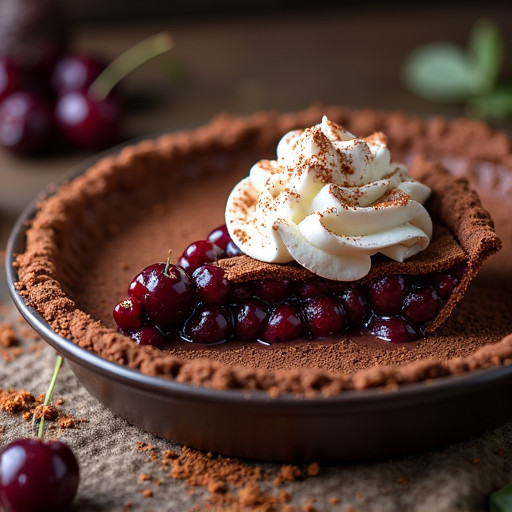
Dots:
(195, 301)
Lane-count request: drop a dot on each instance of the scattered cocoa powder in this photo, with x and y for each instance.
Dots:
(22, 402)
(232, 485)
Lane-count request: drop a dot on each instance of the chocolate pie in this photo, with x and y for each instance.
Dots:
(96, 232)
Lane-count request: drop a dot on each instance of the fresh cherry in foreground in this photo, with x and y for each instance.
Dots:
(37, 475)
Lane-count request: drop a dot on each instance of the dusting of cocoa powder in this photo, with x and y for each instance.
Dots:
(231, 484)
(22, 402)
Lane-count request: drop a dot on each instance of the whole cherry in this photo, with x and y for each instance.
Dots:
(76, 72)
(165, 293)
(37, 475)
(26, 123)
(88, 122)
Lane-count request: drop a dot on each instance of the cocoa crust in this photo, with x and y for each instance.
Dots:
(60, 236)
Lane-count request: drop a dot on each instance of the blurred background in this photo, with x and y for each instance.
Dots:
(235, 57)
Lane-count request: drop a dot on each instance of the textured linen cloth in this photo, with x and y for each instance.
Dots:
(458, 477)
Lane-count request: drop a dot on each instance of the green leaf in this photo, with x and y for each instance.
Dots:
(496, 104)
(441, 72)
(501, 500)
(486, 48)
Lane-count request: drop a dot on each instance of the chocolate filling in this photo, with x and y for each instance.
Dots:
(90, 239)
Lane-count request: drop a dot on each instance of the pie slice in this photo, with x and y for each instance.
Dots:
(211, 298)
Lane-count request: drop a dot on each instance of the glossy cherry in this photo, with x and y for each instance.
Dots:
(37, 475)
(394, 329)
(127, 314)
(164, 292)
(324, 316)
(208, 324)
(249, 320)
(199, 253)
(87, 122)
(148, 335)
(273, 290)
(232, 250)
(76, 72)
(387, 294)
(220, 237)
(212, 287)
(26, 123)
(355, 302)
(284, 323)
(422, 305)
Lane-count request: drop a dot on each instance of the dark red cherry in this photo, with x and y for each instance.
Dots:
(314, 287)
(284, 323)
(127, 314)
(199, 253)
(220, 237)
(26, 123)
(212, 287)
(325, 316)
(37, 475)
(76, 73)
(445, 283)
(249, 320)
(242, 291)
(395, 329)
(10, 77)
(148, 335)
(232, 250)
(86, 122)
(273, 290)
(422, 305)
(355, 302)
(387, 294)
(166, 296)
(208, 324)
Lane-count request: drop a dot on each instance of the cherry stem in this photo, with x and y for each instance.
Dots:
(167, 263)
(49, 393)
(128, 61)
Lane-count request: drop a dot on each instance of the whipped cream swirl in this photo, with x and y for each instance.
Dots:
(329, 201)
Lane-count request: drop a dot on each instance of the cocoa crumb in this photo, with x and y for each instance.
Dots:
(476, 461)
(313, 469)
(290, 473)
(144, 477)
(49, 412)
(8, 336)
(252, 496)
(333, 500)
(147, 493)
(215, 487)
(66, 421)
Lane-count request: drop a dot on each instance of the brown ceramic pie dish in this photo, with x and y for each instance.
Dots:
(78, 248)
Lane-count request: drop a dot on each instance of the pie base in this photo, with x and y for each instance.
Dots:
(91, 238)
